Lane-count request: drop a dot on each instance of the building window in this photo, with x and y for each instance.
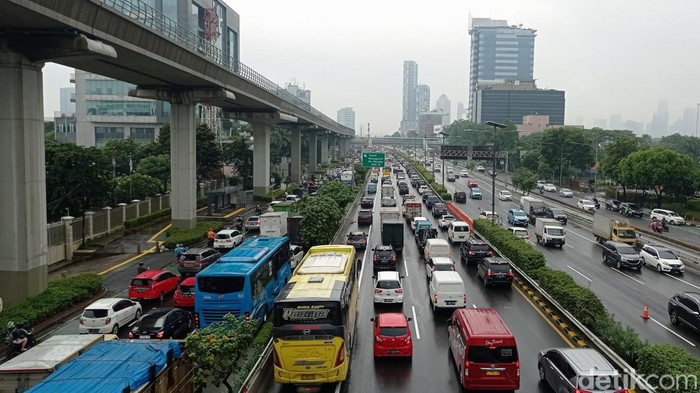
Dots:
(107, 87)
(104, 134)
(121, 108)
(143, 134)
(233, 44)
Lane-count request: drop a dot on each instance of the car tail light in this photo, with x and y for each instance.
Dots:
(466, 368)
(131, 335)
(465, 298)
(399, 290)
(471, 252)
(435, 297)
(341, 355)
(517, 367)
(108, 320)
(393, 259)
(510, 272)
(377, 290)
(582, 391)
(489, 272)
(276, 358)
(198, 261)
(196, 320)
(378, 339)
(407, 339)
(375, 259)
(160, 334)
(489, 252)
(453, 268)
(624, 391)
(257, 222)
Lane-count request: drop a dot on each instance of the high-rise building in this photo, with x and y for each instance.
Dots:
(616, 122)
(67, 95)
(512, 101)
(659, 122)
(461, 111)
(409, 118)
(427, 122)
(423, 97)
(443, 104)
(299, 92)
(499, 53)
(346, 117)
(104, 110)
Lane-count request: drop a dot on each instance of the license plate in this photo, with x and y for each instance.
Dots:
(451, 302)
(493, 373)
(189, 264)
(144, 337)
(141, 290)
(93, 331)
(308, 377)
(187, 294)
(388, 300)
(393, 351)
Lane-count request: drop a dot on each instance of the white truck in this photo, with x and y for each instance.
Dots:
(533, 207)
(549, 232)
(387, 190)
(273, 224)
(389, 214)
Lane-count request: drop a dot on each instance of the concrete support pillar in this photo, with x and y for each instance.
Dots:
(137, 204)
(324, 149)
(68, 235)
(123, 206)
(160, 202)
(108, 211)
(150, 205)
(296, 156)
(23, 235)
(261, 158)
(89, 225)
(313, 151)
(183, 200)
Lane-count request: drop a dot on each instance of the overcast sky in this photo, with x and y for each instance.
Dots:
(619, 56)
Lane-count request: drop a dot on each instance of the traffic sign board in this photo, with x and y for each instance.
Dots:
(373, 159)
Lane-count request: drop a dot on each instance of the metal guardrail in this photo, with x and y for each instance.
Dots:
(261, 376)
(160, 23)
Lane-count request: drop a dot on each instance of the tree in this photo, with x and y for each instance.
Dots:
(215, 350)
(157, 167)
(684, 144)
(209, 155)
(620, 147)
(121, 152)
(525, 180)
(412, 134)
(398, 134)
(135, 186)
(238, 154)
(280, 145)
(339, 192)
(321, 217)
(466, 133)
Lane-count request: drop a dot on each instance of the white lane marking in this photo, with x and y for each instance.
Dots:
(338, 386)
(415, 322)
(581, 236)
(581, 274)
(364, 257)
(405, 268)
(683, 281)
(676, 334)
(474, 305)
(626, 275)
(569, 246)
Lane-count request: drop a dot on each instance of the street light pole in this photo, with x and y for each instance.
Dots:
(495, 126)
(595, 174)
(443, 161)
(561, 163)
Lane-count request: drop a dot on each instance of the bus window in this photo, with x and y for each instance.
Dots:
(221, 285)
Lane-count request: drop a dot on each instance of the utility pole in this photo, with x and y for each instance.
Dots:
(496, 126)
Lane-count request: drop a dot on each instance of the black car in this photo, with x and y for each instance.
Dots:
(557, 214)
(460, 197)
(612, 204)
(621, 255)
(684, 307)
(384, 258)
(367, 202)
(474, 250)
(364, 217)
(162, 323)
(495, 270)
(403, 188)
(431, 201)
(631, 210)
(357, 239)
(439, 209)
(423, 235)
(427, 194)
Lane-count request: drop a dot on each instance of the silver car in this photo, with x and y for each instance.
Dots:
(578, 369)
(252, 223)
(566, 193)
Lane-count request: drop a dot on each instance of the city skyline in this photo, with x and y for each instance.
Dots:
(602, 69)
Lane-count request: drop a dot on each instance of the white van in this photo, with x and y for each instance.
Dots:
(447, 290)
(437, 248)
(458, 232)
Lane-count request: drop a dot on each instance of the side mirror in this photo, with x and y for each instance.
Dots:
(409, 319)
(402, 277)
(371, 319)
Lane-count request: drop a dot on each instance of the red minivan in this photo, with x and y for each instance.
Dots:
(152, 284)
(484, 350)
(471, 183)
(184, 294)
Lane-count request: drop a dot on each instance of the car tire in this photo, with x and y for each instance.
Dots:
(658, 268)
(161, 297)
(115, 328)
(618, 265)
(486, 282)
(605, 258)
(673, 317)
(137, 315)
(672, 222)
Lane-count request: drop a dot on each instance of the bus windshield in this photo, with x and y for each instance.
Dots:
(317, 313)
(221, 285)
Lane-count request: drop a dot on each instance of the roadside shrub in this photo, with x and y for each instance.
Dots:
(190, 237)
(623, 340)
(446, 196)
(147, 219)
(520, 253)
(672, 360)
(60, 295)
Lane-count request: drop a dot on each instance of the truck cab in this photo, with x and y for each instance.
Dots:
(549, 232)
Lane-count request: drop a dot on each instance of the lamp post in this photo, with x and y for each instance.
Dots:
(495, 126)
(443, 160)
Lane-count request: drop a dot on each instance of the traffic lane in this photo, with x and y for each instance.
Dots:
(623, 293)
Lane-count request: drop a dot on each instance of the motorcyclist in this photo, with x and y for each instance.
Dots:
(541, 190)
(258, 210)
(19, 335)
(664, 224)
(179, 250)
(142, 268)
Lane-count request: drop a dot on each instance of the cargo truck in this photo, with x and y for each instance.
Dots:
(613, 228)
(392, 234)
(549, 232)
(387, 190)
(412, 209)
(390, 214)
(273, 224)
(533, 207)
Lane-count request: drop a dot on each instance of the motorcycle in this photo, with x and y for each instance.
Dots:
(238, 222)
(16, 349)
(664, 226)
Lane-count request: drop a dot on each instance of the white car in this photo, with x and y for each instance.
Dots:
(438, 264)
(228, 239)
(445, 221)
(520, 232)
(292, 198)
(662, 259)
(541, 183)
(504, 195)
(586, 205)
(463, 173)
(549, 187)
(566, 193)
(297, 253)
(388, 288)
(423, 189)
(480, 168)
(670, 216)
(108, 315)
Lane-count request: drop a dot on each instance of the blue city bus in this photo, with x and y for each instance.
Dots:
(244, 282)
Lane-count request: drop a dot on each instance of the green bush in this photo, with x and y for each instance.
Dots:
(60, 295)
(446, 196)
(190, 237)
(623, 340)
(669, 360)
(520, 253)
(147, 219)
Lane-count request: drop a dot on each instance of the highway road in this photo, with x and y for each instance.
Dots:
(431, 369)
(624, 293)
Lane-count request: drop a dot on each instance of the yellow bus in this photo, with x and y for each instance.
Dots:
(314, 318)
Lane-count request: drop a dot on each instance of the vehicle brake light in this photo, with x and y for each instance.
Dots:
(198, 261)
(160, 334)
(196, 319)
(581, 391)
(489, 272)
(341, 355)
(471, 252)
(466, 367)
(108, 320)
(378, 290)
(489, 252)
(393, 259)
(510, 272)
(131, 335)
(517, 367)
(465, 298)
(276, 358)
(435, 297)
(399, 290)
(378, 339)
(407, 339)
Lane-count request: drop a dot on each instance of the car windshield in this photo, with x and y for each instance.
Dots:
(499, 267)
(505, 193)
(478, 354)
(556, 211)
(667, 254)
(626, 234)
(365, 213)
(565, 190)
(447, 218)
(252, 219)
(356, 237)
(632, 206)
(520, 232)
(519, 214)
(555, 231)
(392, 331)
(626, 250)
(444, 267)
(221, 285)
(480, 247)
(153, 321)
(95, 313)
(388, 284)
(191, 257)
(588, 203)
(383, 253)
(141, 282)
(186, 288)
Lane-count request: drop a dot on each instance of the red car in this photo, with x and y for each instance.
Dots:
(392, 337)
(184, 294)
(152, 284)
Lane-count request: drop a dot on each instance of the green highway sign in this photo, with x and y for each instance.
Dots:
(373, 160)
